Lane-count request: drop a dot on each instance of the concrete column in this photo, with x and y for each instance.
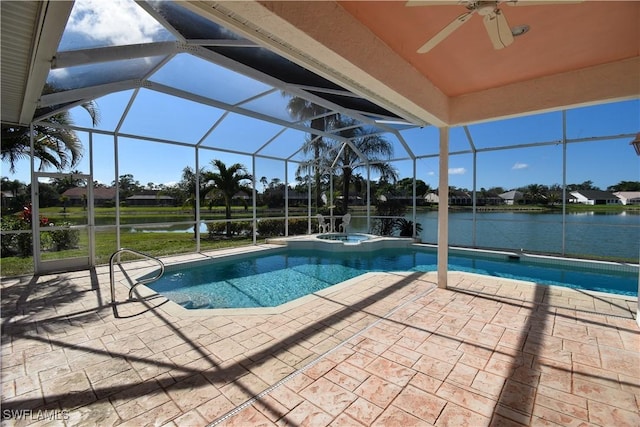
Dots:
(443, 209)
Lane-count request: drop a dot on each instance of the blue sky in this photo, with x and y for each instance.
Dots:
(157, 115)
(605, 162)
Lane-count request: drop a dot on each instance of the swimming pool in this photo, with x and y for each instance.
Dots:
(280, 276)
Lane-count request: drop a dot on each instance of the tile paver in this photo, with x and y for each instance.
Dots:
(388, 349)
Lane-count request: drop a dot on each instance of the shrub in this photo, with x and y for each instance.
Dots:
(298, 226)
(216, 228)
(236, 228)
(387, 208)
(22, 244)
(271, 227)
(266, 227)
(406, 227)
(61, 240)
(15, 244)
(19, 244)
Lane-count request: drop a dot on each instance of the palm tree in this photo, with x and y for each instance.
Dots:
(187, 186)
(625, 186)
(63, 184)
(17, 189)
(275, 183)
(303, 109)
(14, 186)
(228, 181)
(374, 147)
(534, 193)
(54, 147)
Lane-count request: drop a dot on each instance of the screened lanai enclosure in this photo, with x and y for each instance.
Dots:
(182, 98)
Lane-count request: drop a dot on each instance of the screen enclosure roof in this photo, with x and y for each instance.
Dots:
(222, 69)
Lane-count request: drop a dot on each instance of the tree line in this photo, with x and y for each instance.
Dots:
(331, 162)
(551, 194)
(218, 186)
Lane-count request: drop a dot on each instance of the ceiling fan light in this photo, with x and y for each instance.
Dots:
(519, 30)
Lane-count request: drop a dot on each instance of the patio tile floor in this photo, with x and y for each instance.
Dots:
(389, 349)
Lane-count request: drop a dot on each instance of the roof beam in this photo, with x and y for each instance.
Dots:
(222, 43)
(115, 53)
(92, 92)
(47, 34)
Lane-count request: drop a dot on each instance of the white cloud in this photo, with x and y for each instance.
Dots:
(457, 171)
(431, 173)
(59, 73)
(116, 22)
(519, 165)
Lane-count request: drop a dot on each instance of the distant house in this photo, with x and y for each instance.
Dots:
(488, 199)
(456, 198)
(77, 196)
(242, 195)
(399, 197)
(460, 198)
(297, 198)
(353, 199)
(511, 197)
(464, 198)
(7, 198)
(593, 197)
(241, 198)
(628, 197)
(150, 198)
(431, 198)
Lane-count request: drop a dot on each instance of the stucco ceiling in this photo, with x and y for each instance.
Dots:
(574, 54)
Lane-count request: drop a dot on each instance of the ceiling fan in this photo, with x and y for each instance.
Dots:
(494, 20)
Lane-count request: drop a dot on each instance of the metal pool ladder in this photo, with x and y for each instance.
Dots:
(141, 282)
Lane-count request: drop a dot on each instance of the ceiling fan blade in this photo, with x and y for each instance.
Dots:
(498, 29)
(445, 32)
(540, 2)
(410, 3)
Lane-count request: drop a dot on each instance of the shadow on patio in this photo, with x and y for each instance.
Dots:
(389, 348)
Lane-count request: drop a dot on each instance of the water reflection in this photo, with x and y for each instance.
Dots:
(600, 234)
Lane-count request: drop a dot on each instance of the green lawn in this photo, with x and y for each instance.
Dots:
(150, 214)
(156, 244)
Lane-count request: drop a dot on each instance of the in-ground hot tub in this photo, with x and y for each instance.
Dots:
(345, 242)
(346, 237)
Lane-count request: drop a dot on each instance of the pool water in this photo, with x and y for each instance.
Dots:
(274, 279)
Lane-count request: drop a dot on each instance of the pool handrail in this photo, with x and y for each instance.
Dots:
(141, 282)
